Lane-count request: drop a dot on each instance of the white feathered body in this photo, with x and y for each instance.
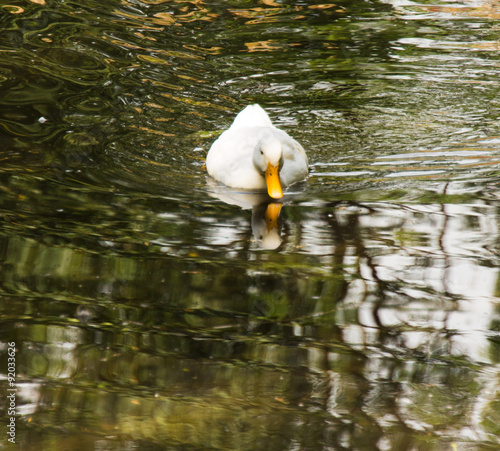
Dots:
(230, 161)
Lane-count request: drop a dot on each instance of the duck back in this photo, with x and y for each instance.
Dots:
(252, 116)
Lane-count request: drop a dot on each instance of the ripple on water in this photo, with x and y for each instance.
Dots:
(134, 286)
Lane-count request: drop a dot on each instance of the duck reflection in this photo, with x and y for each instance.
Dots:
(266, 219)
(266, 225)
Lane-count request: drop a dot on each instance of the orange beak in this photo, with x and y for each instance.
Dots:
(273, 181)
(272, 215)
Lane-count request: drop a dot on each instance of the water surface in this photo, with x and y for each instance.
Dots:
(150, 307)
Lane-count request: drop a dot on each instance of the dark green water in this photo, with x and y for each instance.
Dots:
(147, 312)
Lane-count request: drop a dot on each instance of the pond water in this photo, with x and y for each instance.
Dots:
(151, 308)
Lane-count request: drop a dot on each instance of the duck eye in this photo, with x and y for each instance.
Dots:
(262, 153)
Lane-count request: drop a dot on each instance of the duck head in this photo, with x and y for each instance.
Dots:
(268, 159)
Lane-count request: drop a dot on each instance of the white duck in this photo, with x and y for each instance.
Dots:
(254, 154)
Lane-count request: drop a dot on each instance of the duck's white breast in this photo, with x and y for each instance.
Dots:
(229, 160)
